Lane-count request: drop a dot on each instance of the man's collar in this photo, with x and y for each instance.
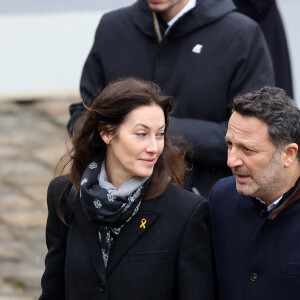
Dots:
(142, 16)
(288, 199)
(273, 205)
(190, 5)
(160, 32)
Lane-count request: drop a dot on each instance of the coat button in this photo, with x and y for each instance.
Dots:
(254, 277)
(102, 287)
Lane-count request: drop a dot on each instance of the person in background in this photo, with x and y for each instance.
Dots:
(133, 233)
(255, 213)
(202, 52)
(266, 14)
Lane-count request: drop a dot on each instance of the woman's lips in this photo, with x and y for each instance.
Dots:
(148, 161)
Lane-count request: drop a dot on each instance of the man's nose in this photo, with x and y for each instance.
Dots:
(234, 159)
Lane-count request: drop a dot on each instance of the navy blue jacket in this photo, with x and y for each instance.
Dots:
(257, 254)
(234, 59)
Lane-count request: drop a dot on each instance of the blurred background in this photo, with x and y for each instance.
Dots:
(43, 46)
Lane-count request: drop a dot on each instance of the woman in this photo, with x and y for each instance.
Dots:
(133, 234)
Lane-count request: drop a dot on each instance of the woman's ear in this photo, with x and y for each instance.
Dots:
(105, 138)
(290, 153)
(106, 135)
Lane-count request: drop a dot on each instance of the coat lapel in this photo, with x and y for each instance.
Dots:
(90, 238)
(132, 231)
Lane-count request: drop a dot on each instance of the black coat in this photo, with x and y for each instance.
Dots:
(266, 14)
(169, 259)
(234, 59)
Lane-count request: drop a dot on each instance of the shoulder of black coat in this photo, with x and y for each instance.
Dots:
(180, 198)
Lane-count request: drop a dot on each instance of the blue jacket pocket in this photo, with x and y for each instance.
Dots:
(290, 269)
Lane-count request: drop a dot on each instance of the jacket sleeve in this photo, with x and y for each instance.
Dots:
(53, 280)
(254, 70)
(92, 79)
(91, 83)
(195, 274)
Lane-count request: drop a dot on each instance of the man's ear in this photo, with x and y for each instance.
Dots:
(289, 153)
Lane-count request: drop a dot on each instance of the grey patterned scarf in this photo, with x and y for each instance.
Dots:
(107, 207)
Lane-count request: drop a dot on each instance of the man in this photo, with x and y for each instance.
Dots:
(202, 53)
(255, 214)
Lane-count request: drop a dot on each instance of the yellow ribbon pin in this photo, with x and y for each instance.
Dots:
(143, 223)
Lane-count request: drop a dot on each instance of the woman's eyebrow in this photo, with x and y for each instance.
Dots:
(143, 125)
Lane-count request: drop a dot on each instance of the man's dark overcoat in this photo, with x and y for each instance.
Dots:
(266, 14)
(257, 253)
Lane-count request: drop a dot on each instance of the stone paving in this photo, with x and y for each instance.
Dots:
(32, 139)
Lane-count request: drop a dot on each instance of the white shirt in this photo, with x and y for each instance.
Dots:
(190, 5)
(271, 206)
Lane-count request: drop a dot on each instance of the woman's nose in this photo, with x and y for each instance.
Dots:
(152, 145)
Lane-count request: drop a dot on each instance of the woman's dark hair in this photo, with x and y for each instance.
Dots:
(109, 110)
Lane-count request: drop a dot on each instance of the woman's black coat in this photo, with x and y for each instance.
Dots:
(168, 259)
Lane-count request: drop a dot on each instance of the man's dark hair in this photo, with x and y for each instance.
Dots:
(272, 106)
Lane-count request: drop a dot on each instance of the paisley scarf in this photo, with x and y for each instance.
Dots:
(107, 207)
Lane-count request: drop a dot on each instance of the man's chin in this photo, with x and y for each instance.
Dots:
(156, 6)
(244, 189)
